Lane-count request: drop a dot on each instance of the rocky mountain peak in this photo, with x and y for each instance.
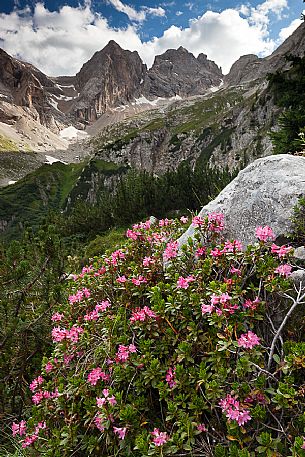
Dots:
(178, 72)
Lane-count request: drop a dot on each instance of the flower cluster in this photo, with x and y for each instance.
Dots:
(96, 374)
(234, 411)
(160, 438)
(142, 315)
(248, 340)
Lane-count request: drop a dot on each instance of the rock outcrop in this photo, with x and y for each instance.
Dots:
(264, 193)
(111, 77)
(178, 72)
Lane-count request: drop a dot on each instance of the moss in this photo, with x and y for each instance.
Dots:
(222, 139)
(7, 145)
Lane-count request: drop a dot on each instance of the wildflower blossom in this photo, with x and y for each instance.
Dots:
(215, 222)
(96, 374)
(201, 428)
(160, 438)
(281, 251)
(170, 377)
(19, 429)
(264, 233)
(98, 421)
(284, 270)
(183, 283)
(206, 309)
(121, 279)
(120, 431)
(35, 383)
(171, 250)
(248, 340)
(57, 317)
(184, 219)
(234, 411)
(197, 221)
(141, 315)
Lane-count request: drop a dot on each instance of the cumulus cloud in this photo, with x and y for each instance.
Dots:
(133, 14)
(287, 31)
(59, 42)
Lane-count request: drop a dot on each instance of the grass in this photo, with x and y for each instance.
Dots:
(50, 187)
(7, 145)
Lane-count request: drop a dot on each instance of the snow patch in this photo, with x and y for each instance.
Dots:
(216, 88)
(120, 108)
(50, 160)
(54, 104)
(70, 133)
(143, 100)
(11, 182)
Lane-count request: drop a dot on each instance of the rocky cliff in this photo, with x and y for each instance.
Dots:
(111, 77)
(178, 72)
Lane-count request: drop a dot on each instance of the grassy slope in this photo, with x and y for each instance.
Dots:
(47, 188)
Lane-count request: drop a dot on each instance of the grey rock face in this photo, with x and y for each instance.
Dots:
(299, 253)
(111, 77)
(178, 72)
(250, 67)
(264, 193)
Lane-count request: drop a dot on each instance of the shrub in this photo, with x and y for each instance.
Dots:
(165, 352)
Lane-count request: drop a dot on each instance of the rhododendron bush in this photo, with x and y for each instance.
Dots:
(161, 351)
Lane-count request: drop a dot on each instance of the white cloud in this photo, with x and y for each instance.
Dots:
(179, 13)
(287, 31)
(59, 42)
(154, 11)
(133, 15)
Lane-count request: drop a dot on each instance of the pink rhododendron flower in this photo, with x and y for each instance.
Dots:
(139, 280)
(160, 438)
(121, 431)
(248, 340)
(96, 374)
(235, 271)
(183, 283)
(264, 233)
(303, 445)
(201, 428)
(58, 334)
(29, 440)
(216, 222)
(73, 333)
(197, 221)
(121, 279)
(98, 421)
(200, 252)
(207, 309)
(35, 383)
(19, 429)
(100, 402)
(171, 250)
(280, 250)
(284, 270)
(232, 246)
(147, 261)
(233, 410)
(132, 235)
(170, 377)
(216, 252)
(57, 317)
(49, 367)
(184, 219)
(251, 304)
(141, 315)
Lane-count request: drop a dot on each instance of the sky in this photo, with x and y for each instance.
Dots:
(59, 37)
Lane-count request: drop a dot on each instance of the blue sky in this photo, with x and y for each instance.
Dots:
(59, 37)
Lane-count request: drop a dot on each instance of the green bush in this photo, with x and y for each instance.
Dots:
(161, 352)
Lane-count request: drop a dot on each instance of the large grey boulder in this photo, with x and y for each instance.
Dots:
(264, 193)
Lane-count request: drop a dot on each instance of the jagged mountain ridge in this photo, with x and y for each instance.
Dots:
(236, 134)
